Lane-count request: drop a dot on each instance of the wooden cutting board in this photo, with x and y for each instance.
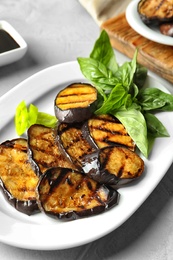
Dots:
(156, 57)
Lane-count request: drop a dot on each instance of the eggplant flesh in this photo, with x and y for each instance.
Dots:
(73, 143)
(113, 166)
(75, 103)
(68, 194)
(106, 130)
(17, 179)
(155, 11)
(43, 150)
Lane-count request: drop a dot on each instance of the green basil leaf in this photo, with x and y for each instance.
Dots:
(114, 100)
(97, 73)
(21, 118)
(155, 127)
(32, 115)
(104, 53)
(155, 99)
(140, 75)
(135, 124)
(126, 72)
(46, 119)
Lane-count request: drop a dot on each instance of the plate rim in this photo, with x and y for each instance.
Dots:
(18, 226)
(136, 23)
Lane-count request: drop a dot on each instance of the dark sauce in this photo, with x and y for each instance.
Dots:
(7, 43)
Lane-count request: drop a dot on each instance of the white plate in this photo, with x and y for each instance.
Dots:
(151, 33)
(15, 54)
(40, 231)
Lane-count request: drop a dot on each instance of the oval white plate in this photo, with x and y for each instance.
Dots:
(151, 33)
(42, 232)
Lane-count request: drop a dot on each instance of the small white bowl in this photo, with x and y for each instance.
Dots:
(12, 55)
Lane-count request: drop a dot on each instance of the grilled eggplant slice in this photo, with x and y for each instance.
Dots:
(67, 194)
(113, 166)
(107, 130)
(155, 11)
(73, 143)
(75, 103)
(17, 179)
(43, 151)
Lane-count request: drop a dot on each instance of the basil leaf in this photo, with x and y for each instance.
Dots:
(104, 53)
(114, 101)
(126, 73)
(97, 73)
(46, 119)
(155, 127)
(140, 76)
(25, 117)
(21, 118)
(155, 99)
(135, 124)
(32, 115)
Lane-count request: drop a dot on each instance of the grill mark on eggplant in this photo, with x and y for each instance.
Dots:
(129, 164)
(17, 179)
(72, 141)
(155, 11)
(113, 166)
(82, 197)
(107, 131)
(78, 95)
(43, 150)
(75, 103)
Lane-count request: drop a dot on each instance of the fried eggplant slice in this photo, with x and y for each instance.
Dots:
(75, 103)
(43, 151)
(155, 11)
(17, 179)
(67, 194)
(113, 166)
(107, 130)
(73, 144)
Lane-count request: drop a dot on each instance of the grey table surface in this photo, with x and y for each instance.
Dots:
(59, 31)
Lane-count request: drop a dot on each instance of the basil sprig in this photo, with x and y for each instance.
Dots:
(122, 93)
(27, 116)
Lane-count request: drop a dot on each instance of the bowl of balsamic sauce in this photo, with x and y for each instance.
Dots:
(12, 46)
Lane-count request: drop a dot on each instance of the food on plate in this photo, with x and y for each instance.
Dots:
(73, 144)
(43, 151)
(155, 11)
(17, 179)
(167, 29)
(75, 103)
(69, 194)
(116, 165)
(106, 130)
(120, 162)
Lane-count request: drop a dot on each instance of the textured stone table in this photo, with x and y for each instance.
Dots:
(59, 31)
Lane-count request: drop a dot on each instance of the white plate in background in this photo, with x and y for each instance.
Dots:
(150, 32)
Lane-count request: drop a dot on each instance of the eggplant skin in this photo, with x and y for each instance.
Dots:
(155, 11)
(17, 179)
(114, 165)
(75, 103)
(67, 194)
(43, 151)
